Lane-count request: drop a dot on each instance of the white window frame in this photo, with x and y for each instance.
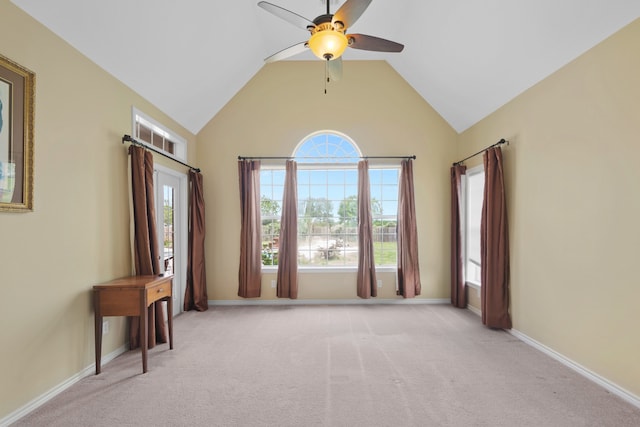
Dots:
(472, 282)
(159, 128)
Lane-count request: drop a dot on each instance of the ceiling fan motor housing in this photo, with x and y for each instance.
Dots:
(328, 40)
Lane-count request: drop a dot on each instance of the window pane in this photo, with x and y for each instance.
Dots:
(335, 177)
(375, 177)
(335, 192)
(318, 177)
(389, 208)
(144, 133)
(317, 191)
(278, 191)
(278, 177)
(376, 192)
(171, 147)
(270, 209)
(327, 148)
(168, 241)
(303, 192)
(303, 177)
(474, 196)
(157, 140)
(389, 192)
(390, 176)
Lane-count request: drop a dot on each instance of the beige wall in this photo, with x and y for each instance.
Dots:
(574, 207)
(77, 234)
(572, 191)
(283, 104)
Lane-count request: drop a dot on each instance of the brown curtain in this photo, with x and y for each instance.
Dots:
(494, 244)
(145, 242)
(366, 283)
(458, 297)
(195, 297)
(288, 242)
(408, 263)
(250, 272)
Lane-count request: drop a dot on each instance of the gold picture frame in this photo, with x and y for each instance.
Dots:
(17, 100)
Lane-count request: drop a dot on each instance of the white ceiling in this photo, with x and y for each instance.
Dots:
(464, 57)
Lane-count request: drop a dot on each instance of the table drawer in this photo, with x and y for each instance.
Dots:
(158, 291)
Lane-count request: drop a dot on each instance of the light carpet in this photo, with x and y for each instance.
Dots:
(358, 365)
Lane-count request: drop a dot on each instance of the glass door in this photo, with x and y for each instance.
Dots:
(169, 217)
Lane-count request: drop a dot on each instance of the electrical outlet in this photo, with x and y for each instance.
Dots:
(273, 283)
(105, 327)
(379, 283)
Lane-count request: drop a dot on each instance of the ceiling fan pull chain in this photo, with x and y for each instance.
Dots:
(326, 75)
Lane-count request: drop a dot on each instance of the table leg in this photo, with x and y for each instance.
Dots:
(170, 320)
(144, 339)
(98, 330)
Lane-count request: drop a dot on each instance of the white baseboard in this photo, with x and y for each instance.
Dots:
(474, 310)
(358, 301)
(45, 397)
(590, 375)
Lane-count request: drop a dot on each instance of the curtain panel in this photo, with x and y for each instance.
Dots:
(145, 242)
(250, 271)
(195, 297)
(287, 286)
(366, 281)
(458, 297)
(494, 244)
(409, 284)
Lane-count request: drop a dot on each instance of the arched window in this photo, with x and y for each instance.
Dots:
(327, 147)
(327, 204)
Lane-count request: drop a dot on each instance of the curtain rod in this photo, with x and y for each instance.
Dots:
(128, 138)
(314, 157)
(502, 141)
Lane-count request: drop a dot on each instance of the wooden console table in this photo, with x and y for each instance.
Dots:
(131, 296)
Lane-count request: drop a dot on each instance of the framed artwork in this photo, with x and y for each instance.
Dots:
(17, 97)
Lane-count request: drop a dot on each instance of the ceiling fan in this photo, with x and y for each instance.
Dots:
(329, 36)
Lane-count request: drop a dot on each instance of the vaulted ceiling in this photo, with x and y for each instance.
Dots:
(464, 57)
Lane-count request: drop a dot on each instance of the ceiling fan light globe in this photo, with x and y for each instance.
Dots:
(328, 44)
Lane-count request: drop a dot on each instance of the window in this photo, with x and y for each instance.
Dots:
(271, 191)
(384, 209)
(153, 134)
(327, 204)
(327, 216)
(473, 195)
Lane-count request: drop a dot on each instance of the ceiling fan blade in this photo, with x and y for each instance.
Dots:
(334, 69)
(287, 15)
(286, 53)
(350, 11)
(364, 42)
